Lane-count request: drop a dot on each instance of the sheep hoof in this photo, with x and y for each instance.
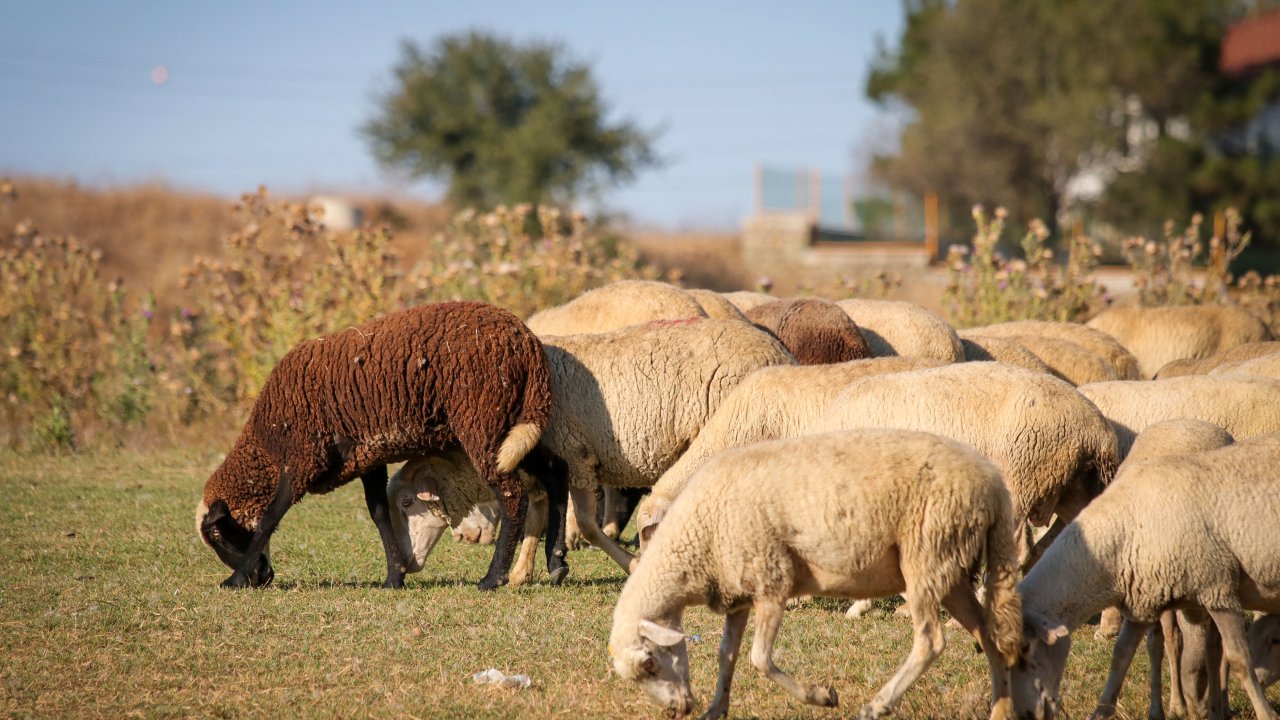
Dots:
(831, 700)
(491, 583)
(236, 581)
(559, 574)
(393, 584)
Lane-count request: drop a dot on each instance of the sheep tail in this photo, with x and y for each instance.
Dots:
(1003, 605)
(519, 442)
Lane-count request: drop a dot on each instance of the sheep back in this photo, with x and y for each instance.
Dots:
(1092, 339)
(717, 306)
(1160, 335)
(1265, 366)
(744, 300)
(984, 348)
(816, 331)
(616, 305)
(894, 327)
(1068, 360)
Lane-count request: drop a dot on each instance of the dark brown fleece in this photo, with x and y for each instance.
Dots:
(415, 382)
(816, 331)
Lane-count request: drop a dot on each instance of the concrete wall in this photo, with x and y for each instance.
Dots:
(781, 244)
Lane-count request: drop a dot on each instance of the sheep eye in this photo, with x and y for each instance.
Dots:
(650, 665)
(406, 502)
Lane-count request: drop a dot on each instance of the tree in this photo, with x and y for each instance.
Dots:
(503, 123)
(1011, 102)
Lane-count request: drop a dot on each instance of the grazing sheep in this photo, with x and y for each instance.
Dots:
(1232, 355)
(1160, 335)
(416, 382)
(1244, 405)
(616, 305)
(626, 404)
(1055, 449)
(1264, 648)
(894, 327)
(1095, 341)
(1265, 366)
(479, 524)
(770, 403)
(814, 330)
(852, 514)
(1168, 531)
(981, 348)
(717, 306)
(1068, 360)
(744, 300)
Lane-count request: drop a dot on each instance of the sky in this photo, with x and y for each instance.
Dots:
(274, 92)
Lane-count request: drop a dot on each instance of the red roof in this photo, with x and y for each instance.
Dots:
(1251, 44)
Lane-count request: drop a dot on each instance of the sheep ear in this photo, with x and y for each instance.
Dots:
(656, 514)
(428, 496)
(663, 636)
(1048, 633)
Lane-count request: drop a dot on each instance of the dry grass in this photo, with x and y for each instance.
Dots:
(111, 609)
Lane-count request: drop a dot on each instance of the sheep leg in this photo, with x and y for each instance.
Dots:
(534, 521)
(582, 499)
(1194, 668)
(1131, 633)
(375, 498)
(964, 607)
(514, 509)
(252, 566)
(610, 510)
(556, 483)
(1231, 625)
(1217, 673)
(768, 621)
(1173, 647)
(1044, 542)
(1155, 658)
(926, 648)
(735, 625)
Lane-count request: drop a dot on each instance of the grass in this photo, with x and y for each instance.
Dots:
(111, 608)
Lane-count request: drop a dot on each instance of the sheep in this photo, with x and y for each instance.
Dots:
(1093, 340)
(814, 330)
(616, 305)
(1264, 648)
(1244, 405)
(979, 348)
(1066, 359)
(894, 327)
(432, 493)
(717, 306)
(860, 513)
(770, 403)
(626, 404)
(478, 526)
(1160, 335)
(744, 300)
(1055, 449)
(1204, 366)
(1265, 366)
(415, 382)
(1168, 531)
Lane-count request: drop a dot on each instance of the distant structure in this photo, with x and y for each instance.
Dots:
(335, 212)
(807, 226)
(1249, 47)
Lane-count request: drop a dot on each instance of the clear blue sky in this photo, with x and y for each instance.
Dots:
(273, 92)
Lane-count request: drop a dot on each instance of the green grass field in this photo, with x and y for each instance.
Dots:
(110, 607)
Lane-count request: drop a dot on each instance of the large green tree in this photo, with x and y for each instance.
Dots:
(1008, 101)
(503, 123)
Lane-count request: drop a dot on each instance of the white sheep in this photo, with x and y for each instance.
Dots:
(1068, 360)
(745, 300)
(626, 404)
(717, 306)
(1170, 530)
(1232, 355)
(616, 305)
(1160, 335)
(773, 402)
(1264, 366)
(853, 514)
(894, 327)
(1094, 340)
(988, 348)
(1244, 405)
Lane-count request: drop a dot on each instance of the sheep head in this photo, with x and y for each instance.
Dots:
(418, 519)
(234, 498)
(1037, 676)
(230, 540)
(657, 658)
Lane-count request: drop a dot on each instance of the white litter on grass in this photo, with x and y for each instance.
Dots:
(497, 677)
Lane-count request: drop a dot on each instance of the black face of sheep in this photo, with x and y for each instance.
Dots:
(231, 541)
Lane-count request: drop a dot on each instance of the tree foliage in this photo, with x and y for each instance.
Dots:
(1012, 102)
(503, 123)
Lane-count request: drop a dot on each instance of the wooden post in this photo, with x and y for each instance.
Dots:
(757, 187)
(931, 226)
(815, 194)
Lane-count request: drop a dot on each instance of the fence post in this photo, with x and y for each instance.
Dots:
(757, 181)
(931, 225)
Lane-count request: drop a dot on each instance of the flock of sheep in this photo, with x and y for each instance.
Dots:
(1023, 476)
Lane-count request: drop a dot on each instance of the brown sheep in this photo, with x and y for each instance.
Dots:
(416, 382)
(816, 331)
